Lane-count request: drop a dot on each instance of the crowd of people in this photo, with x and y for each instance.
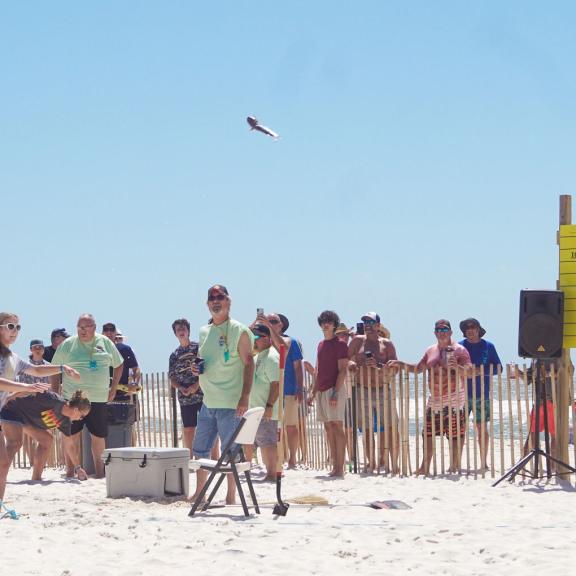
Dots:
(232, 367)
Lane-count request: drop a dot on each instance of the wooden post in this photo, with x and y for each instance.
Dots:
(565, 368)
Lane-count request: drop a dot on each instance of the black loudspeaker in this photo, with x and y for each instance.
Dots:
(540, 332)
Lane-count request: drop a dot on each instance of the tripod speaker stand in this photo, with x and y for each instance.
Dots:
(536, 452)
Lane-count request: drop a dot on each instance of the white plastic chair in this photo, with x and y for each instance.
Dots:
(232, 461)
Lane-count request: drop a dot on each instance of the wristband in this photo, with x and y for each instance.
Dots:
(268, 405)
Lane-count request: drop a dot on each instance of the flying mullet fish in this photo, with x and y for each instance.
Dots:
(254, 125)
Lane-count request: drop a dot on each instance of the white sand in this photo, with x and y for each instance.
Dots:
(455, 526)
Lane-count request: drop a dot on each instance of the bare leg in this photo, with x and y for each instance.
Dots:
(270, 457)
(482, 433)
(98, 445)
(45, 440)
(4, 466)
(29, 448)
(424, 469)
(72, 452)
(293, 440)
(188, 438)
(330, 437)
(339, 445)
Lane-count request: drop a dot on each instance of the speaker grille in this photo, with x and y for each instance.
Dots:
(541, 336)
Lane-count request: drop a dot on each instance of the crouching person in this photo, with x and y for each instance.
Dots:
(264, 393)
(37, 415)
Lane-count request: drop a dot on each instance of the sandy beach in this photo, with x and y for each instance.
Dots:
(453, 526)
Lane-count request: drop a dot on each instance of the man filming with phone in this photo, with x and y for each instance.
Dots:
(368, 354)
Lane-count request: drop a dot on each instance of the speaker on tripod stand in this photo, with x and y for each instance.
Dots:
(540, 335)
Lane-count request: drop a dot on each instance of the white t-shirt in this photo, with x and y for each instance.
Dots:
(10, 368)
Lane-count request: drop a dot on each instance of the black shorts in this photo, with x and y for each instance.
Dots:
(96, 421)
(189, 414)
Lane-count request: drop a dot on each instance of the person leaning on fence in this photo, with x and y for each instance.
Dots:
(482, 354)
(265, 392)
(92, 354)
(329, 388)
(226, 348)
(184, 381)
(369, 354)
(447, 363)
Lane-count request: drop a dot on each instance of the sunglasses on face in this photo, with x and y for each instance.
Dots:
(11, 326)
(369, 322)
(441, 330)
(274, 321)
(218, 297)
(37, 347)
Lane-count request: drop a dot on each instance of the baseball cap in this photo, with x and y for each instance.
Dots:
(59, 332)
(442, 324)
(109, 327)
(217, 289)
(36, 342)
(372, 316)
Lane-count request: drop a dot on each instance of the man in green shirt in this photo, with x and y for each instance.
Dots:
(92, 355)
(265, 392)
(225, 345)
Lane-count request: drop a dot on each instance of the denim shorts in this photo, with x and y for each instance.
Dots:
(213, 422)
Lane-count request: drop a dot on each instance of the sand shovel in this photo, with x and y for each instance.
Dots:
(281, 508)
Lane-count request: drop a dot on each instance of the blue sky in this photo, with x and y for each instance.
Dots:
(424, 149)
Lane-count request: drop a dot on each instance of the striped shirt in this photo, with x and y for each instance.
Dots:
(11, 367)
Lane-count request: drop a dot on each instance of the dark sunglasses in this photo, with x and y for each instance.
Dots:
(470, 327)
(11, 326)
(274, 321)
(37, 347)
(442, 330)
(218, 297)
(369, 321)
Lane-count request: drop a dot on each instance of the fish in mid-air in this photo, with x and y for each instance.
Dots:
(254, 125)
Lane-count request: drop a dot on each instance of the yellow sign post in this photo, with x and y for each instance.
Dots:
(567, 281)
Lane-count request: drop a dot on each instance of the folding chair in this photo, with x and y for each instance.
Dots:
(232, 461)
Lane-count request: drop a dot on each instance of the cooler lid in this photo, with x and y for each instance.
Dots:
(137, 453)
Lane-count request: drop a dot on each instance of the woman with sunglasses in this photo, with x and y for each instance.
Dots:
(12, 366)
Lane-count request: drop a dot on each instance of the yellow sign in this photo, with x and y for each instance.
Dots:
(567, 281)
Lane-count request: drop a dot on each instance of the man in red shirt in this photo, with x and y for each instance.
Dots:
(329, 388)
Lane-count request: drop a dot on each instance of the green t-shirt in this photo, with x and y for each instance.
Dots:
(267, 371)
(93, 360)
(222, 379)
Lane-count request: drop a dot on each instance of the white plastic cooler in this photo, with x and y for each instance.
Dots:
(152, 472)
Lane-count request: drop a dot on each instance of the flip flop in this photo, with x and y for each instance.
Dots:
(9, 512)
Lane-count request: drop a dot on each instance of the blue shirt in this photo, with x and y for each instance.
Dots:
(294, 354)
(484, 354)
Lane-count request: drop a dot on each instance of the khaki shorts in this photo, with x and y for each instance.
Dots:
(328, 413)
(291, 406)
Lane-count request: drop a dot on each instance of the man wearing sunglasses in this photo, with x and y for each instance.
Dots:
(446, 363)
(369, 354)
(225, 345)
(293, 378)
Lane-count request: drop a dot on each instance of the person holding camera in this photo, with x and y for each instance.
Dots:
(368, 354)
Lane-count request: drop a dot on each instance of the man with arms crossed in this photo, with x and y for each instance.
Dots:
(329, 388)
(225, 345)
(92, 355)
